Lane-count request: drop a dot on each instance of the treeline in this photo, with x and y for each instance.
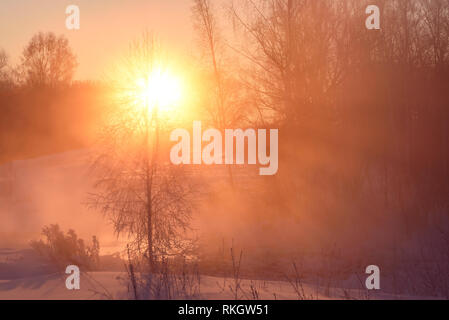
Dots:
(366, 110)
(37, 121)
(363, 117)
(42, 110)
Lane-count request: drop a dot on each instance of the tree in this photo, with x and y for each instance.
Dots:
(47, 60)
(227, 108)
(4, 75)
(3, 59)
(145, 198)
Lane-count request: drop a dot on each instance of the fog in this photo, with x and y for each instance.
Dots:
(48, 190)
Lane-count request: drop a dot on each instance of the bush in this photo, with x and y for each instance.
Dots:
(62, 249)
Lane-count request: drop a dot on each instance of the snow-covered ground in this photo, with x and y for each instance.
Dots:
(113, 285)
(24, 275)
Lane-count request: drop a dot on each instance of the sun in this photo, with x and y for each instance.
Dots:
(160, 89)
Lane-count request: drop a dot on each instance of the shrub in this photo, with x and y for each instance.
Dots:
(63, 249)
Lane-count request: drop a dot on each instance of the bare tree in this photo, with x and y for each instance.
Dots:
(228, 107)
(293, 48)
(206, 25)
(436, 14)
(4, 75)
(146, 198)
(3, 59)
(47, 60)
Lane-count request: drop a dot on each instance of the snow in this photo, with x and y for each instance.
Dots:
(24, 275)
(113, 285)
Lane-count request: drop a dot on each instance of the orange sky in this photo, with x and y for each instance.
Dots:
(107, 27)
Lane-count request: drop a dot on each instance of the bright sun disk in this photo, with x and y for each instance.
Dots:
(160, 88)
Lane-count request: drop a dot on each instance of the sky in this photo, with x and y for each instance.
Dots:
(107, 27)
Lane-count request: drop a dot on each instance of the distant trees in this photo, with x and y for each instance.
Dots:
(373, 101)
(47, 60)
(4, 72)
(3, 59)
(301, 52)
(41, 83)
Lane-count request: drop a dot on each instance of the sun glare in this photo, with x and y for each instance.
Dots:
(160, 89)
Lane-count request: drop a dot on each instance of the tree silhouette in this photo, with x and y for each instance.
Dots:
(47, 60)
(145, 198)
(3, 59)
(3, 66)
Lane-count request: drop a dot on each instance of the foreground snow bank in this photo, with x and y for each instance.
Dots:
(113, 285)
